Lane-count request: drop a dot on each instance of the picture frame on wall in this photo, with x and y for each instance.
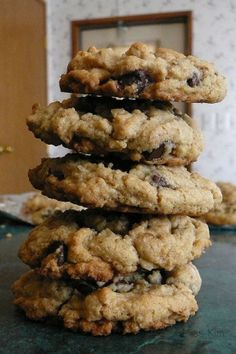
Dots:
(169, 30)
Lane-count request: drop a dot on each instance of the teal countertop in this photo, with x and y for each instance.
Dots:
(212, 330)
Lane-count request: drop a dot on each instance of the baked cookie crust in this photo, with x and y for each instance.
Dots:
(121, 185)
(151, 132)
(98, 244)
(141, 72)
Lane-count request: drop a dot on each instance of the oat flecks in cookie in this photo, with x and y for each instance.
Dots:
(99, 244)
(125, 186)
(105, 310)
(224, 213)
(142, 72)
(152, 132)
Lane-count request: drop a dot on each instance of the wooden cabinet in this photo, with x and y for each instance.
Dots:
(23, 82)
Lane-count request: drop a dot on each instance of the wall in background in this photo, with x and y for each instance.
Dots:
(214, 29)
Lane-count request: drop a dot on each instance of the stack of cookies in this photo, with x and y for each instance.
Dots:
(123, 264)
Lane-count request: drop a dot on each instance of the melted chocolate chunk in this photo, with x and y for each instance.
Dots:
(155, 154)
(139, 77)
(85, 287)
(58, 174)
(160, 181)
(164, 276)
(61, 250)
(165, 147)
(144, 272)
(194, 80)
(54, 246)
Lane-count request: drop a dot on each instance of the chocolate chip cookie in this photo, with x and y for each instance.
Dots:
(125, 186)
(142, 301)
(151, 132)
(142, 72)
(98, 244)
(224, 213)
(38, 208)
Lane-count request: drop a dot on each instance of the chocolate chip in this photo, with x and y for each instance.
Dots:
(165, 148)
(155, 153)
(139, 77)
(58, 174)
(61, 251)
(144, 272)
(194, 80)
(160, 181)
(85, 287)
(164, 276)
(53, 247)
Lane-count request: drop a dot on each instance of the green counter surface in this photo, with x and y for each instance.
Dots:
(212, 330)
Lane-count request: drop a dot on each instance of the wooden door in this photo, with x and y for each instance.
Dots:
(23, 82)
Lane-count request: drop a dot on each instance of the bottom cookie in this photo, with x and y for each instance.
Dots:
(151, 302)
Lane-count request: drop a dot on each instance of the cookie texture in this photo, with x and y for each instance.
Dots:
(142, 72)
(99, 245)
(224, 213)
(151, 303)
(152, 132)
(125, 186)
(40, 297)
(38, 208)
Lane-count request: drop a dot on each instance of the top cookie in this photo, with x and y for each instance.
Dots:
(163, 74)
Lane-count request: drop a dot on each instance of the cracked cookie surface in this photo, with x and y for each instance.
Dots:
(125, 186)
(142, 72)
(151, 132)
(99, 245)
(152, 303)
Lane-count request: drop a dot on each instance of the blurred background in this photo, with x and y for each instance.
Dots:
(39, 37)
